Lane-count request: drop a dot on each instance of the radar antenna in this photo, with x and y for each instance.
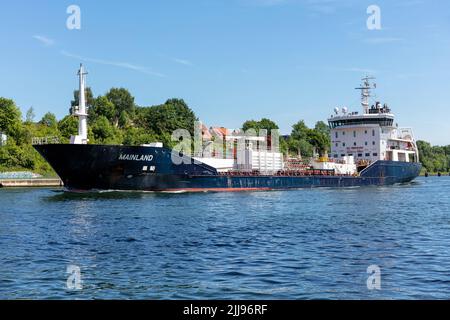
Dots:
(365, 88)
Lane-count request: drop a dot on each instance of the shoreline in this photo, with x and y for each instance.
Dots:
(38, 182)
(435, 174)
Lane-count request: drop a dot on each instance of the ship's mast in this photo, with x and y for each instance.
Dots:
(81, 111)
(366, 93)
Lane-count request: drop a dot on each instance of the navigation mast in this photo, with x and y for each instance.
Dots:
(80, 110)
(366, 93)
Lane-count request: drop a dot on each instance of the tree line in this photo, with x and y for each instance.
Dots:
(114, 118)
(434, 158)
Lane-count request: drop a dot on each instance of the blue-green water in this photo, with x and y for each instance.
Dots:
(303, 244)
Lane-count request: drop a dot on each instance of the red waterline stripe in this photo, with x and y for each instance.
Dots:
(215, 189)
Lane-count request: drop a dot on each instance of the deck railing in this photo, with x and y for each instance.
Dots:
(45, 140)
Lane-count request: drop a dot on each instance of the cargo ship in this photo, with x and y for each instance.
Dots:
(366, 149)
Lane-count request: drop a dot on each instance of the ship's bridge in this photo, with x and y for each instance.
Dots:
(372, 135)
(376, 114)
(354, 119)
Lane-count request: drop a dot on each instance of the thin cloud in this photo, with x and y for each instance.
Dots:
(410, 3)
(343, 69)
(322, 6)
(183, 61)
(44, 40)
(360, 70)
(263, 3)
(405, 76)
(317, 7)
(125, 65)
(382, 40)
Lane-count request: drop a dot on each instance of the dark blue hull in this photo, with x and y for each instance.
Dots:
(101, 167)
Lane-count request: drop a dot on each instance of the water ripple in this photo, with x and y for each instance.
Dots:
(302, 244)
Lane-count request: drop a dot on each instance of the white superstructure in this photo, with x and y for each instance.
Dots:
(80, 111)
(246, 155)
(346, 166)
(372, 135)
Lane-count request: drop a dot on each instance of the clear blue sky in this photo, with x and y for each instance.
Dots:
(233, 60)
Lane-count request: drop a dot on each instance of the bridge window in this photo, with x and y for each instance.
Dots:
(382, 122)
(336, 134)
(373, 133)
(354, 134)
(343, 144)
(367, 154)
(375, 154)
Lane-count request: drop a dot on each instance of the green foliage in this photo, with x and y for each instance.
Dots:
(30, 115)
(319, 140)
(299, 131)
(10, 117)
(253, 127)
(105, 133)
(123, 103)
(18, 153)
(138, 136)
(102, 107)
(434, 158)
(264, 123)
(284, 146)
(89, 96)
(67, 127)
(323, 128)
(304, 139)
(164, 119)
(124, 119)
(299, 147)
(49, 120)
(23, 157)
